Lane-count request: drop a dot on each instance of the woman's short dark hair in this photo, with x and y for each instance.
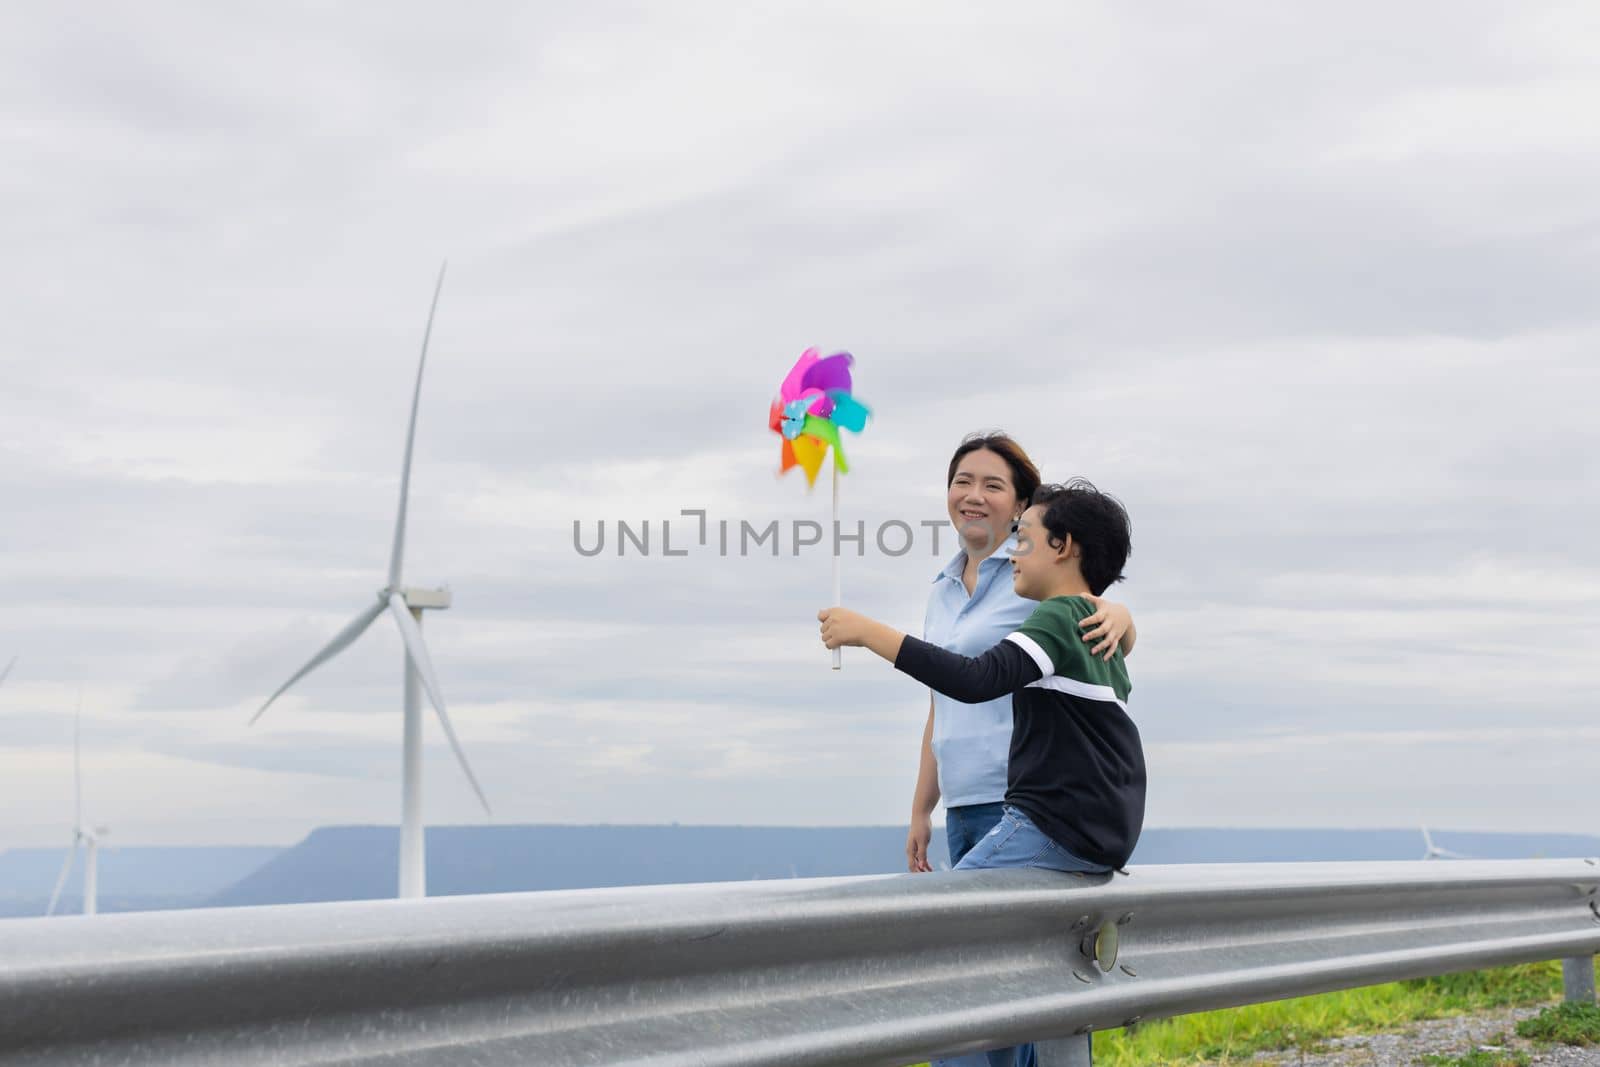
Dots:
(1024, 475)
(1096, 520)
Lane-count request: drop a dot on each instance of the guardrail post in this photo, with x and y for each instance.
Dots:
(1065, 1052)
(1577, 980)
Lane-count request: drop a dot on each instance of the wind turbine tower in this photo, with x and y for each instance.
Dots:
(87, 837)
(405, 605)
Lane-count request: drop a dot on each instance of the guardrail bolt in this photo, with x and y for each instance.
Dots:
(1106, 941)
(1126, 919)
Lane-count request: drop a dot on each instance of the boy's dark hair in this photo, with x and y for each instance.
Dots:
(1024, 475)
(1097, 522)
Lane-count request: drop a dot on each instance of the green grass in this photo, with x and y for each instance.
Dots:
(1566, 1024)
(1235, 1034)
(1479, 1058)
(1305, 1022)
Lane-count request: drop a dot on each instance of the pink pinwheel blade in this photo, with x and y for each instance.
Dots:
(793, 382)
(820, 403)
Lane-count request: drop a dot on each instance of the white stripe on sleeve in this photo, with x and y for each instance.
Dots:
(1088, 690)
(1035, 653)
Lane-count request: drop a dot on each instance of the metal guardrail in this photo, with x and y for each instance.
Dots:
(802, 973)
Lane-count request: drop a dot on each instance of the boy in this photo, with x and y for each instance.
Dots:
(1076, 777)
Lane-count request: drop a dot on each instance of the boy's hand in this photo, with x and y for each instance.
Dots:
(841, 626)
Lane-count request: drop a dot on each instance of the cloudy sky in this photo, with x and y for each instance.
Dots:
(1313, 292)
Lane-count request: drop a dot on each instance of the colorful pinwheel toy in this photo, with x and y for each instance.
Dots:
(814, 403)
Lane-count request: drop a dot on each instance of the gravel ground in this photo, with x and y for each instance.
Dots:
(1449, 1037)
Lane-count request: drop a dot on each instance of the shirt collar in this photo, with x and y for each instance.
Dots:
(958, 562)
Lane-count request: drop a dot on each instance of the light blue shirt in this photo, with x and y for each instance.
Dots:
(972, 742)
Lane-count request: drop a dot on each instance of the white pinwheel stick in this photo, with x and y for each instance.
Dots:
(838, 653)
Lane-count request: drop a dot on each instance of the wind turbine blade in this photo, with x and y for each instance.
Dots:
(7, 671)
(340, 642)
(397, 555)
(411, 634)
(61, 879)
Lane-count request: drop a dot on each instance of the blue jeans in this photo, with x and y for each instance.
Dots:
(1015, 842)
(966, 825)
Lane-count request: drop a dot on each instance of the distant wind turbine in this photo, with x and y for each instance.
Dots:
(1434, 852)
(81, 834)
(405, 605)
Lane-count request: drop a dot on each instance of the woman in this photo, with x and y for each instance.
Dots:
(971, 607)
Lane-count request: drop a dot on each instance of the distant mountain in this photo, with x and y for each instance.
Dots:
(131, 879)
(359, 862)
(1312, 846)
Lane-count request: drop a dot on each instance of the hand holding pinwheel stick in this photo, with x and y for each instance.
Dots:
(814, 403)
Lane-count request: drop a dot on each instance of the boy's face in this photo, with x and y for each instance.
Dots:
(1035, 564)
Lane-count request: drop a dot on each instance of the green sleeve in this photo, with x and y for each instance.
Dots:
(1053, 627)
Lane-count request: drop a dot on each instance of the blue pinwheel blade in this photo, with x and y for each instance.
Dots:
(848, 412)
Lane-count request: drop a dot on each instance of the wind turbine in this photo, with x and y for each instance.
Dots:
(1434, 852)
(405, 605)
(81, 834)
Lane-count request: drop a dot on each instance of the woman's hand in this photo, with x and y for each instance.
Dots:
(1107, 627)
(917, 844)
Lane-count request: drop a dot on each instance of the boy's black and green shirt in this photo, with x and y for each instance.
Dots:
(1077, 766)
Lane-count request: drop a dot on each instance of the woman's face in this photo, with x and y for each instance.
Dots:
(982, 501)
